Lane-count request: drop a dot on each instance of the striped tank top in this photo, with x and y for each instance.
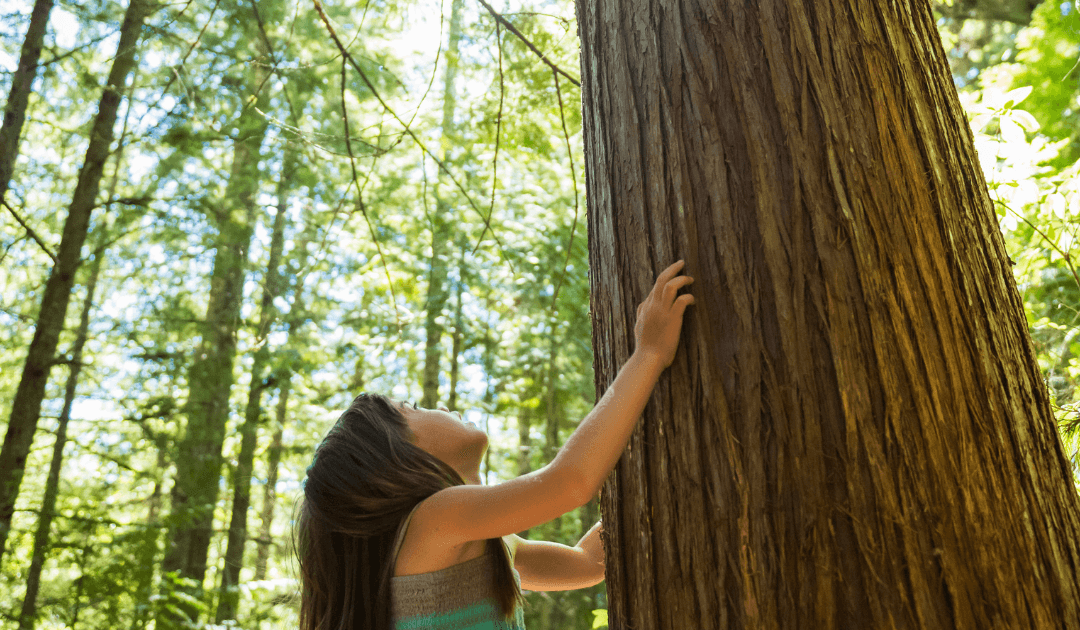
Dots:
(459, 597)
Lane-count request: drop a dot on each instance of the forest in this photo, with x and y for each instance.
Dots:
(222, 221)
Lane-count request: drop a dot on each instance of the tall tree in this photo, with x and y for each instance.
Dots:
(855, 433)
(21, 83)
(249, 430)
(199, 452)
(441, 221)
(26, 407)
(28, 615)
(266, 514)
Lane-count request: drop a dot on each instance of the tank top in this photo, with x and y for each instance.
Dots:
(459, 597)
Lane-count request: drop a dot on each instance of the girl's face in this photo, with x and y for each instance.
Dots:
(459, 444)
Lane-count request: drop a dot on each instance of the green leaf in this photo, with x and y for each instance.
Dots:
(600, 619)
(1025, 120)
(1017, 96)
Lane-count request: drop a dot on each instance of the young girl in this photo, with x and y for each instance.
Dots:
(396, 532)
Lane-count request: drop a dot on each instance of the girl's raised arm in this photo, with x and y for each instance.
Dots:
(464, 513)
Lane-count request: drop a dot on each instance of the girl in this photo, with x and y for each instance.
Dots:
(396, 532)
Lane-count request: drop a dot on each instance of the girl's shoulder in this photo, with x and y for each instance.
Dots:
(424, 551)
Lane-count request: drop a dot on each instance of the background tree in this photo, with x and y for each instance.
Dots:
(21, 83)
(26, 408)
(856, 428)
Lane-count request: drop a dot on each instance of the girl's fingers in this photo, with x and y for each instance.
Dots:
(673, 287)
(666, 275)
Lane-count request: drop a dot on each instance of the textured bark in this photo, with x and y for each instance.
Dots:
(21, 83)
(229, 595)
(441, 226)
(854, 433)
(26, 408)
(199, 452)
(28, 615)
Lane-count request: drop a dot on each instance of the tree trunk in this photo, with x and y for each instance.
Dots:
(459, 323)
(551, 427)
(26, 408)
(28, 615)
(199, 453)
(21, 83)
(266, 517)
(854, 433)
(1015, 11)
(441, 227)
(294, 319)
(234, 552)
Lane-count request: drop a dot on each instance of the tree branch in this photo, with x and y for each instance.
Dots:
(31, 232)
(510, 27)
(412, 134)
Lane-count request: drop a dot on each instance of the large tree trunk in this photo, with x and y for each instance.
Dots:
(26, 408)
(199, 453)
(21, 83)
(854, 433)
(249, 432)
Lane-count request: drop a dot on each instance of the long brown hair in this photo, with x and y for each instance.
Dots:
(367, 475)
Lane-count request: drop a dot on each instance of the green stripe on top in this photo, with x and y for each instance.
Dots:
(482, 616)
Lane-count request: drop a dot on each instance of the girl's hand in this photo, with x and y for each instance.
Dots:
(659, 317)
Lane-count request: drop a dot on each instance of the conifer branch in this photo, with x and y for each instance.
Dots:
(408, 130)
(510, 27)
(30, 231)
(573, 177)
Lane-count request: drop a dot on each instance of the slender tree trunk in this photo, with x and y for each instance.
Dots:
(52, 484)
(21, 83)
(144, 605)
(270, 490)
(26, 408)
(249, 431)
(284, 379)
(458, 336)
(553, 411)
(441, 228)
(80, 582)
(1015, 11)
(199, 453)
(854, 433)
(524, 447)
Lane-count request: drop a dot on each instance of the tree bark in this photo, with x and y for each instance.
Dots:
(26, 408)
(854, 432)
(229, 595)
(21, 83)
(441, 227)
(199, 452)
(28, 615)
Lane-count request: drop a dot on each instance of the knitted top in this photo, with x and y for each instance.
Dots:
(459, 597)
